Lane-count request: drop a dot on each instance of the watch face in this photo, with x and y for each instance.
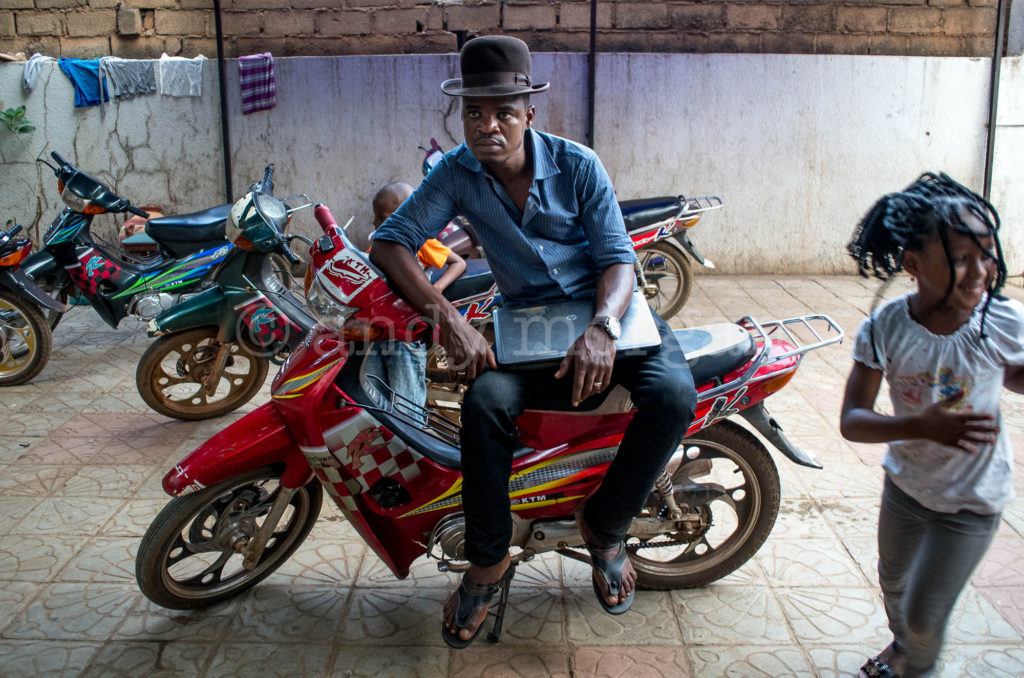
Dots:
(613, 327)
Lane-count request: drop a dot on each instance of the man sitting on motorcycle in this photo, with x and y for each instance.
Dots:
(545, 211)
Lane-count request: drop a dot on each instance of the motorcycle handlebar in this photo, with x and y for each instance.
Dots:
(324, 217)
(138, 211)
(14, 231)
(266, 185)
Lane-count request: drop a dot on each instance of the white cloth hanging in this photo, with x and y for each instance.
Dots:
(181, 77)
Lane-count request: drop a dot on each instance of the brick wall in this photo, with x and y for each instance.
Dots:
(146, 28)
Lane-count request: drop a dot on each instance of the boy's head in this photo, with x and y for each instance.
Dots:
(387, 201)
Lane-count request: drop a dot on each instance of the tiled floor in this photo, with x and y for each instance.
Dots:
(81, 460)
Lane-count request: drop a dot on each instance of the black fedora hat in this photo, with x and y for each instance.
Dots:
(493, 66)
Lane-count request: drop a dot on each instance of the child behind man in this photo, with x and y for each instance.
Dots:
(399, 364)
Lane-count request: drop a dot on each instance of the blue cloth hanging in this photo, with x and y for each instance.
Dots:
(85, 76)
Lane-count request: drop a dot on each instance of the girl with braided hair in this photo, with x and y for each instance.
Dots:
(945, 350)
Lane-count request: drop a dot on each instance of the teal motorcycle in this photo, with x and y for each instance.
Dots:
(213, 350)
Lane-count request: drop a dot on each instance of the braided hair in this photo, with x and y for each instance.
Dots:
(932, 206)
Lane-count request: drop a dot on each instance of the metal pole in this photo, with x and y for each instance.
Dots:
(592, 73)
(229, 192)
(993, 101)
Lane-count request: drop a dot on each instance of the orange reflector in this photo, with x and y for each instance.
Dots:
(244, 243)
(94, 209)
(360, 330)
(775, 384)
(16, 257)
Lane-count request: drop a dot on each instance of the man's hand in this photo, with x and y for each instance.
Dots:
(964, 430)
(466, 349)
(591, 357)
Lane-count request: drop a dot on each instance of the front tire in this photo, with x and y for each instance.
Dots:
(25, 339)
(729, 464)
(669, 271)
(186, 560)
(172, 373)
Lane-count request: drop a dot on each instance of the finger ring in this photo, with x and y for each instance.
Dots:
(598, 384)
(461, 372)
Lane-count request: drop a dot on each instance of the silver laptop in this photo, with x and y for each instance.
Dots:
(537, 336)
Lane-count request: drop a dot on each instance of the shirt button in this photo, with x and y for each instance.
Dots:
(555, 271)
(541, 247)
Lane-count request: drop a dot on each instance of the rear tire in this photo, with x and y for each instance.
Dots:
(171, 374)
(670, 272)
(186, 560)
(25, 339)
(723, 457)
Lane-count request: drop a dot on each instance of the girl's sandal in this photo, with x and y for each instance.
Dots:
(473, 596)
(876, 668)
(611, 571)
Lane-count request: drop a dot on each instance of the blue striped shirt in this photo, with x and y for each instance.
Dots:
(569, 232)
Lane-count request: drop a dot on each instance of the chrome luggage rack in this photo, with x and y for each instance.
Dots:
(692, 206)
(408, 412)
(762, 333)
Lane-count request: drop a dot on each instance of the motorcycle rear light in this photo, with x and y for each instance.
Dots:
(17, 256)
(775, 384)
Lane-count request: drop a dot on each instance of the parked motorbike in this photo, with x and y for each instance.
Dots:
(246, 499)
(25, 338)
(213, 349)
(114, 282)
(658, 228)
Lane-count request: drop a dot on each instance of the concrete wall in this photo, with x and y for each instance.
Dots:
(798, 146)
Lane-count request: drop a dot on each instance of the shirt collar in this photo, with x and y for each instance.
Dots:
(543, 162)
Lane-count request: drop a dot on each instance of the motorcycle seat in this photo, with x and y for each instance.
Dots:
(183, 234)
(476, 280)
(715, 350)
(646, 211)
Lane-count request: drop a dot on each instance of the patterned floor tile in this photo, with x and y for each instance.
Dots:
(67, 515)
(749, 661)
(1002, 564)
(631, 662)
(147, 621)
(839, 661)
(12, 511)
(74, 612)
(148, 660)
(102, 559)
(34, 481)
(824, 613)
(15, 596)
(534, 617)
(975, 620)
(980, 660)
(852, 517)
(1008, 601)
(31, 659)
(423, 573)
(800, 518)
(240, 660)
(377, 662)
(809, 562)
(720, 615)
(393, 617)
(486, 661)
(35, 559)
(280, 613)
(13, 448)
(134, 518)
(650, 621)
(105, 481)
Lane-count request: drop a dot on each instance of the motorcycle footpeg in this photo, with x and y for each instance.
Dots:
(498, 610)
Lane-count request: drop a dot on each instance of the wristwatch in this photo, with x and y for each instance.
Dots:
(609, 324)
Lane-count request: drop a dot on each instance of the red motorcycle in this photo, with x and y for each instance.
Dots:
(247, 498)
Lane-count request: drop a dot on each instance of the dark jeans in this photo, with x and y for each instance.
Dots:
(662, 391)
(924, 560)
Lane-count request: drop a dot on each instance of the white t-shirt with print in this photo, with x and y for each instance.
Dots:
(922, 368)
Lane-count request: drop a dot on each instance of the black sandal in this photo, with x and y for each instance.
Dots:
(472, 596)
(876, 668)
(611, 570)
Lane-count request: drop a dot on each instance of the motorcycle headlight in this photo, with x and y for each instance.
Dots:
(73, 200)
(325, 309)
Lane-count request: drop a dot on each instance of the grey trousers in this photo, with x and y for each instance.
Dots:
(924, 560)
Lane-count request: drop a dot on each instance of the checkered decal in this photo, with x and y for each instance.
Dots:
(380, 454)
(93, 269)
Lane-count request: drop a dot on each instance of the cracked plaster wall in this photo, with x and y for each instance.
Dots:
(798, 146)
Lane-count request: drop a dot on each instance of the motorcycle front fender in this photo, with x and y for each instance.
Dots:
(261, 438)
(203, 310)
(17, 281)
(683, 241)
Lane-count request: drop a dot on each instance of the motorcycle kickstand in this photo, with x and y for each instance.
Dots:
(494, 635)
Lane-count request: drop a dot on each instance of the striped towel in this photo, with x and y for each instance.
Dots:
(256, 76)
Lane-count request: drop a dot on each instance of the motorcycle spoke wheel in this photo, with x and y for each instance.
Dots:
(188, 559)
(741, 483)
(174, 370)
(671, 275)
(25, 339)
